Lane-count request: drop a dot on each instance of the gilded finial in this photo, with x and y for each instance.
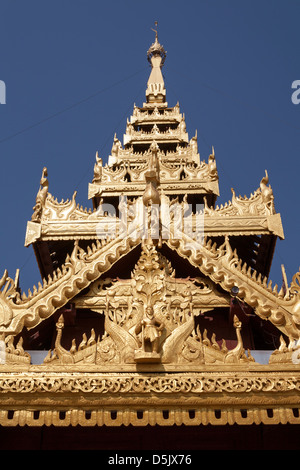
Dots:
(155, 30)
(156, 48)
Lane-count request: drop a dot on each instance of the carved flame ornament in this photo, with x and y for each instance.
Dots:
(150, 329)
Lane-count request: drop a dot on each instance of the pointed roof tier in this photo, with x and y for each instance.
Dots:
(157, 160)
(155, 123)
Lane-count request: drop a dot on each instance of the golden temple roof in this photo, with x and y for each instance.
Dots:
(155, 297)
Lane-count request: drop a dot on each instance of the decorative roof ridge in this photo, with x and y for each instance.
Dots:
(155, 130)
(63, 202)
(78, 271)
(260, 202)
(144, 115)
(130, 153)
(66, 210)
(223, 266)
(171, 170)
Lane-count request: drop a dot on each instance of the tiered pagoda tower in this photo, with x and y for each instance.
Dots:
(155, 306)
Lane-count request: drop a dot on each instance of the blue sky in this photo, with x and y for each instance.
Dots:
(73, 70)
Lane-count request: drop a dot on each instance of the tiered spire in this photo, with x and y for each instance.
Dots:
(155, 125)
(157, 163)
(156, 92)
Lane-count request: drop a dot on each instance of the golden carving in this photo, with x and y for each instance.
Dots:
(41, 197)
(224, 267)
(260, 203)
(286, 354)
(150, 328)
(78, 271)
(62, 220)
(146, 399)
(86, 351)
(154, 363)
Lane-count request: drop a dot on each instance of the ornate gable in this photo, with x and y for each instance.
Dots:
(156, 299)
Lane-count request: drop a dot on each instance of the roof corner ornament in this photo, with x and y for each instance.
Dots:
(98, 167)
(41, 197)
(267, 194)
(212, 163)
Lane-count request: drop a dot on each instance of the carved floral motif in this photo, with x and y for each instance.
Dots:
(148, 327)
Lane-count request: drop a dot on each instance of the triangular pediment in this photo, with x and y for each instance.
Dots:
(76, 274)
(222, 265)
(150, 319)
(92, 280)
